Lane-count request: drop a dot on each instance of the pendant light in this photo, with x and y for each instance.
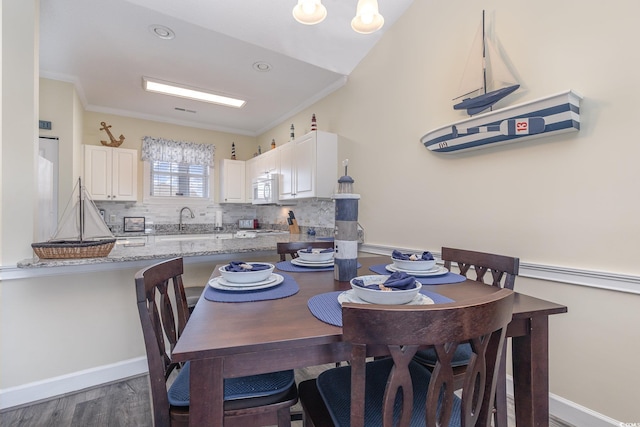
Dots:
(309, 12)
(367, 19)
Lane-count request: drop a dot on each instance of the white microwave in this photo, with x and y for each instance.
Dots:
(265, 190)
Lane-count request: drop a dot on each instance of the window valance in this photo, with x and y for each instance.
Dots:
(167, 150)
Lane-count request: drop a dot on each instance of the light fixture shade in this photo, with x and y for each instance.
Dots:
(367, 19)
(309, 12)
(173, 89)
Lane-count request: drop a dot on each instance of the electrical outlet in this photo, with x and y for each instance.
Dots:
(112, 218)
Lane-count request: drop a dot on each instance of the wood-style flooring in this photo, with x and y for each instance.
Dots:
(123, 404)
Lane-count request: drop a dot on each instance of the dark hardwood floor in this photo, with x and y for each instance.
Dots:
(123, 404)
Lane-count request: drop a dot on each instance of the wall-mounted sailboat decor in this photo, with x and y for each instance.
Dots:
(486, 81)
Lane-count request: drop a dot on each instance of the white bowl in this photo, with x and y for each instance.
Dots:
(246, 276)
(417, 265)
(375, 296)
(315, 255)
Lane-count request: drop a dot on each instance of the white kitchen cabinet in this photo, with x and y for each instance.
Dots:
(232, 181)
(111, 173)
(309, 166)
(259, 166)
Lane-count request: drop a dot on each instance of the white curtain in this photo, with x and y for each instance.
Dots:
(167, 150)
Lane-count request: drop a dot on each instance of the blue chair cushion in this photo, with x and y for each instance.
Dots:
(234, 388)
(460, 357)
(334, 386)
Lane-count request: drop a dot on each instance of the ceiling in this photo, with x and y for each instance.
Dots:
(105, 47)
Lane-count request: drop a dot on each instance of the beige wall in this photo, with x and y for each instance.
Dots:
(567, 201)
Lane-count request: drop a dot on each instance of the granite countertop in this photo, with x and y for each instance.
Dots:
(176, 248)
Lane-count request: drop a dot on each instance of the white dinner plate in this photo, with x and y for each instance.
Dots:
(350, 296)
(215, 283)
(309, 264)
(436, 271)
(272, 278)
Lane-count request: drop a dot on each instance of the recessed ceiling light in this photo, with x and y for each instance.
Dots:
(262, 66)
(162, 32)
(174, 89)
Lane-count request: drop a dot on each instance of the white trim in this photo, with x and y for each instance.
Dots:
(572, 413)
(573, 276)
(71, 383)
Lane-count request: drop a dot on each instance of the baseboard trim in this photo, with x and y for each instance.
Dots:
(71, 383)
(570, 412)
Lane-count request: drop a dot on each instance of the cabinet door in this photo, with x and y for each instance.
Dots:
(305, 166)
(250, 173)
(97, 171)
(270, 162)
(124, 181)
(233, 181)
(287, 174)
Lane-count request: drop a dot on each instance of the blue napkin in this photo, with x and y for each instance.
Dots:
(398, 281)
(426, 256)
(237, 266)
(310, 250)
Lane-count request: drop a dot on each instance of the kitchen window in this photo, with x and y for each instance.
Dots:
(177, 170)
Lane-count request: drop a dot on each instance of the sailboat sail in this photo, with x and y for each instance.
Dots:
(486, 79)
(82, 220)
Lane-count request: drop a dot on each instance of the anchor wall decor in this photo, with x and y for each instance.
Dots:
(114, 142)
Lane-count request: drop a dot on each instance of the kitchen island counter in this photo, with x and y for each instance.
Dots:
(262, 244)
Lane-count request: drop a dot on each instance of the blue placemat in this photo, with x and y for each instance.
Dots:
(292, 268)
(325, 307)
(445, 279)
(285, 289)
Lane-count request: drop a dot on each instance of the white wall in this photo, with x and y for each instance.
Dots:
(569, 201)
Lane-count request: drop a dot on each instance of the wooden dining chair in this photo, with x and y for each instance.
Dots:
(256, 400)
(502, 274)
(292, 248)
(398, 391)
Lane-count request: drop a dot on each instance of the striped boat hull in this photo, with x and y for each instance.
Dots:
(534, 119)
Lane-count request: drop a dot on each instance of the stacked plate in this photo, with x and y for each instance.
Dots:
(436, 270)
(312, 264)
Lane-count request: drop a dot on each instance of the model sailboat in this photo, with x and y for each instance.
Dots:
(81, 232)
(486, 79)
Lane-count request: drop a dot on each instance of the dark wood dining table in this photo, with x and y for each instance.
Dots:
(224, 340)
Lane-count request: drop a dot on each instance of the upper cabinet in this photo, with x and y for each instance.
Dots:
(309, 166)
(264, 164)
(111, 173)
(232, 181)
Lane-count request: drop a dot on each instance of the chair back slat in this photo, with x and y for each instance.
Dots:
(503, 269)
(404, 329)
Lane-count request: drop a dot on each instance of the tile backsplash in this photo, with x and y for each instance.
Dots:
(309, 213)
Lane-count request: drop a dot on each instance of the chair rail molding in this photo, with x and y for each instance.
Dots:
(573, 276)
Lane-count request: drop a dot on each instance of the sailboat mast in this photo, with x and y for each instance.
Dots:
(484, 57)
(81, 210)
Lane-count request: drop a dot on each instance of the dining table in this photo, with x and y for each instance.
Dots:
(226, 338)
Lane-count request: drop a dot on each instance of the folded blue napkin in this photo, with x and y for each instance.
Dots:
(398, 281)
(240, 266)
(310, 250)
(426, 256)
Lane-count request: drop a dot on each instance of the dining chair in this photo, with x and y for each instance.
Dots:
(397, 390)
(502, 274)
(256, 400)
(192, 295)
(292, 248)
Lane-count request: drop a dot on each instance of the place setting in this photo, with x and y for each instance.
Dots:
(241, 281)
(398, 288)
(309, 259)
(421, 265)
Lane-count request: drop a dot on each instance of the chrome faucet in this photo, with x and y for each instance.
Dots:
(181, 225)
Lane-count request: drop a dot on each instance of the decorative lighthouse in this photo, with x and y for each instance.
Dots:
(346, 229)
